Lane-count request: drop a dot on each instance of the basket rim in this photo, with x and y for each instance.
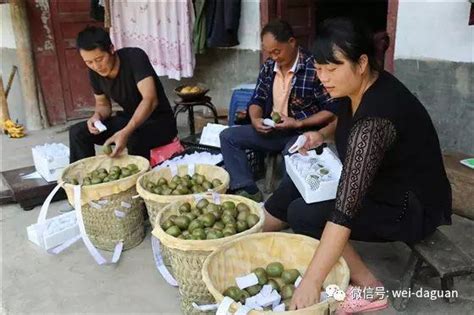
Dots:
(218, 295)
(211, 245)
(173, 198)
(63, 183)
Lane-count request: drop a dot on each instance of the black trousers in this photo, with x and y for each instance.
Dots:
(151, 134)
(376, 221)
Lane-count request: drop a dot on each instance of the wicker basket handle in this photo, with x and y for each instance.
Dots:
(90, 247)
(156, 247)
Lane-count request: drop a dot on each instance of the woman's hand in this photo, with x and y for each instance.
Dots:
(306, 294)
(313, 140)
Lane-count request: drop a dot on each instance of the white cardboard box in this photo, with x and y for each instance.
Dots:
(327, 188)
(50, 167)
(47, 241)
(210, 135)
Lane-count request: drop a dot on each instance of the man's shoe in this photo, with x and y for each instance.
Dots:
(257, 197)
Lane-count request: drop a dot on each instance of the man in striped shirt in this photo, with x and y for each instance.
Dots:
(288, 85)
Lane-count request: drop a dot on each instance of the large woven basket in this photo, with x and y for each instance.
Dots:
(101, 202)
(239, 257)
(187, 256)
(154, 203)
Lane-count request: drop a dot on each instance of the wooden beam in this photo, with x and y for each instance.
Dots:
(26, 65)
(4, 114)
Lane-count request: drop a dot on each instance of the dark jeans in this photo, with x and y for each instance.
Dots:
(149, 135)
(376, 221)
(234, 142)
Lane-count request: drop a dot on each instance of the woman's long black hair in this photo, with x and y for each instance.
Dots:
(351, 37)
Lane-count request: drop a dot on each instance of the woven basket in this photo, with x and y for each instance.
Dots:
(187, 256)
(154, 203)
(101, 202)
(238, 258)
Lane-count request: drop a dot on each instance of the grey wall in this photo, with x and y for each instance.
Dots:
(446, 90)
(15, 98)
(220, 70)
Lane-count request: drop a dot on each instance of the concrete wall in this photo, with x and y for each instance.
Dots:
(223, 69)
(434, 57)
(7, 60)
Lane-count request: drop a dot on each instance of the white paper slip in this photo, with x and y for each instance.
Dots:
(205, 307)
(191, 169)
(279, 308)
(299, 143)
(94, 205)
(246, 281)
(266, 290)
(268, 122)
(224, 306)
(100, 126)
(119, 214)
(243, 310)
(124, 204)
(298, 281)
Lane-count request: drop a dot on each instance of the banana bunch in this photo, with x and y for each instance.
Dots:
(12, 129)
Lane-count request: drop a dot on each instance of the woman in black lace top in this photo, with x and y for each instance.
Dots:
(393, 185)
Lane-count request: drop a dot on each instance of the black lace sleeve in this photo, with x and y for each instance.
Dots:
(368, 141)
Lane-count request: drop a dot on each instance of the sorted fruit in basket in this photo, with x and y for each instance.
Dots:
(206, 221)
(101, 175)
(274, 269)
(266, 287)
(182, 185)
(290, 276)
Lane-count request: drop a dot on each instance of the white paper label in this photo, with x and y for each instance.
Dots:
(119, 214)
(191, 169)
(243, 310)
(173, 169)
(298, 281)
(197, 197)
(224, 306)
(94, 205)
(217, 198)
(246, 281)
(124, 204)
(266, 290)
(205, 307)
(279, 308)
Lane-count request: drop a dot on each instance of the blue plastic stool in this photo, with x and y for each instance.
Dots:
(239, 101)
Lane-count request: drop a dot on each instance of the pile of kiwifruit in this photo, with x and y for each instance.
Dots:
(101, 175)
(181, 185)
(282, 280)
(207, 221)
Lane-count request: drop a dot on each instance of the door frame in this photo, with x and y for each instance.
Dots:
(267, 7)
(46, 60)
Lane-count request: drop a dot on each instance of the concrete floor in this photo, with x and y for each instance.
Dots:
(34, 282)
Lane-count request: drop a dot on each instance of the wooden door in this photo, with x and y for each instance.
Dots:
(299, 13)
(68, 19)
(302, 15)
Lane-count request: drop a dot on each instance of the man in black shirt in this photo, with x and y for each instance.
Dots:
(127, 77)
